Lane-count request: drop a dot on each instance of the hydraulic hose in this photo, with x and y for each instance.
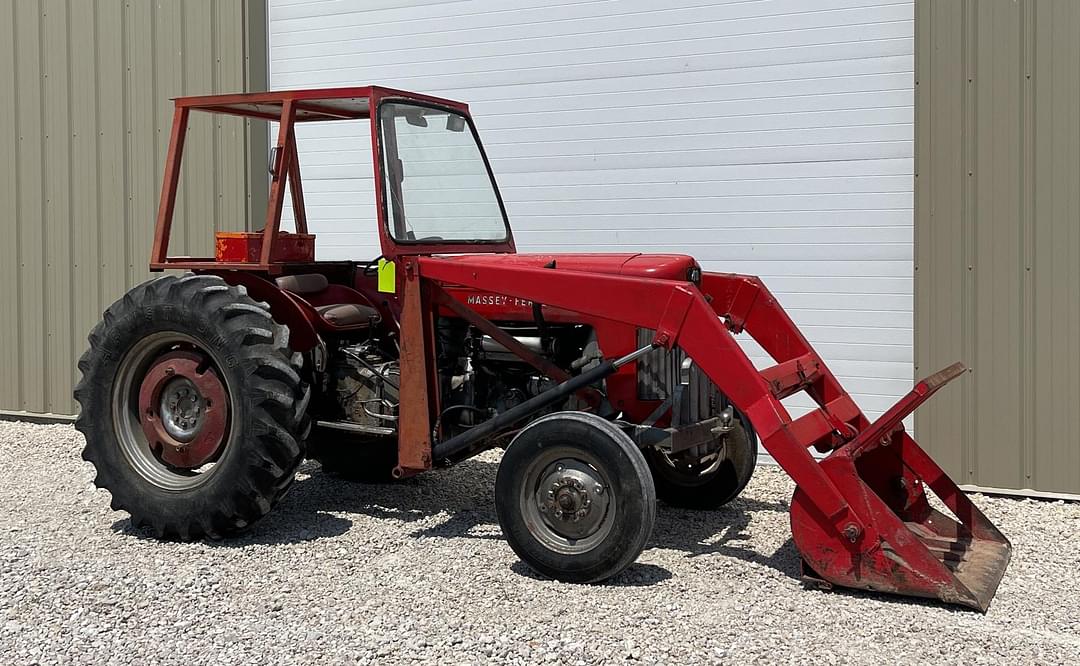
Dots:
(448, 449)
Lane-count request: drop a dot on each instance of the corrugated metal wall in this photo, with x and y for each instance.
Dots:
(84, 126)
(997, 201)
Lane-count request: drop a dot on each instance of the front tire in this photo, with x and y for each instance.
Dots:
(192, 406)
(574, 497)
(711, 484)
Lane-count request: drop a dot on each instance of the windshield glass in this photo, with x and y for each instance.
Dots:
(437, 185)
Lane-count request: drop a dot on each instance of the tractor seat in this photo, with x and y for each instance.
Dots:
(337, 315)
(348, 315)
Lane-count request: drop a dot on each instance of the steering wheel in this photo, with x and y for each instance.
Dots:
(371, 268)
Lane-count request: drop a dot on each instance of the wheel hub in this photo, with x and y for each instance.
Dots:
(571, 499)
(183, 408)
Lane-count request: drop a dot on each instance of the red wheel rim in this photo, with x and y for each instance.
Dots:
(184, 409)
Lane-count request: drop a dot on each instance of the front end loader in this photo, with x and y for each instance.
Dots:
(860, 517)
(610, 379)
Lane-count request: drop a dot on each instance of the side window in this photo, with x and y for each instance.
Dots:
(339, 191)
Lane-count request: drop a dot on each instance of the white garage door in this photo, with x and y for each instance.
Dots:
(772, 137)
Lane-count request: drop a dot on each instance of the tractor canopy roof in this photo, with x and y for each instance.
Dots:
(434, 191)
(316, 105)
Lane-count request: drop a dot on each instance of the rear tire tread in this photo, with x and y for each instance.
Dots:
(259, 359)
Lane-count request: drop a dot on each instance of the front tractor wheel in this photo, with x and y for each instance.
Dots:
(192, 407)
(713, 481)
(574, 497)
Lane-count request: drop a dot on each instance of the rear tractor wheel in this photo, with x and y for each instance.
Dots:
(574, 497)
(192, 407)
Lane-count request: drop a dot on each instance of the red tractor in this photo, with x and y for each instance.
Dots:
(610, 379)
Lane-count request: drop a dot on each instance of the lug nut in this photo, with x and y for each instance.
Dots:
(599, 489)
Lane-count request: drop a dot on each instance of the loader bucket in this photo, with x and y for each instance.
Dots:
(904, 545)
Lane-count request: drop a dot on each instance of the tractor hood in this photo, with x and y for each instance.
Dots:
(660, 266)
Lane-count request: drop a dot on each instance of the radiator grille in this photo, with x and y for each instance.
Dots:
(658, 375)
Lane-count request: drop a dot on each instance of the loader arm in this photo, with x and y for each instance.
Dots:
(860, 517)
(680, 315)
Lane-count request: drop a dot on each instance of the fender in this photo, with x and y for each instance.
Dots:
(302, 335)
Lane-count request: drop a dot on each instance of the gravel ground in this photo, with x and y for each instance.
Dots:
(418, 572)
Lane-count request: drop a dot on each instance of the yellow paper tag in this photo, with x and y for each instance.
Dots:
(387, 277)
